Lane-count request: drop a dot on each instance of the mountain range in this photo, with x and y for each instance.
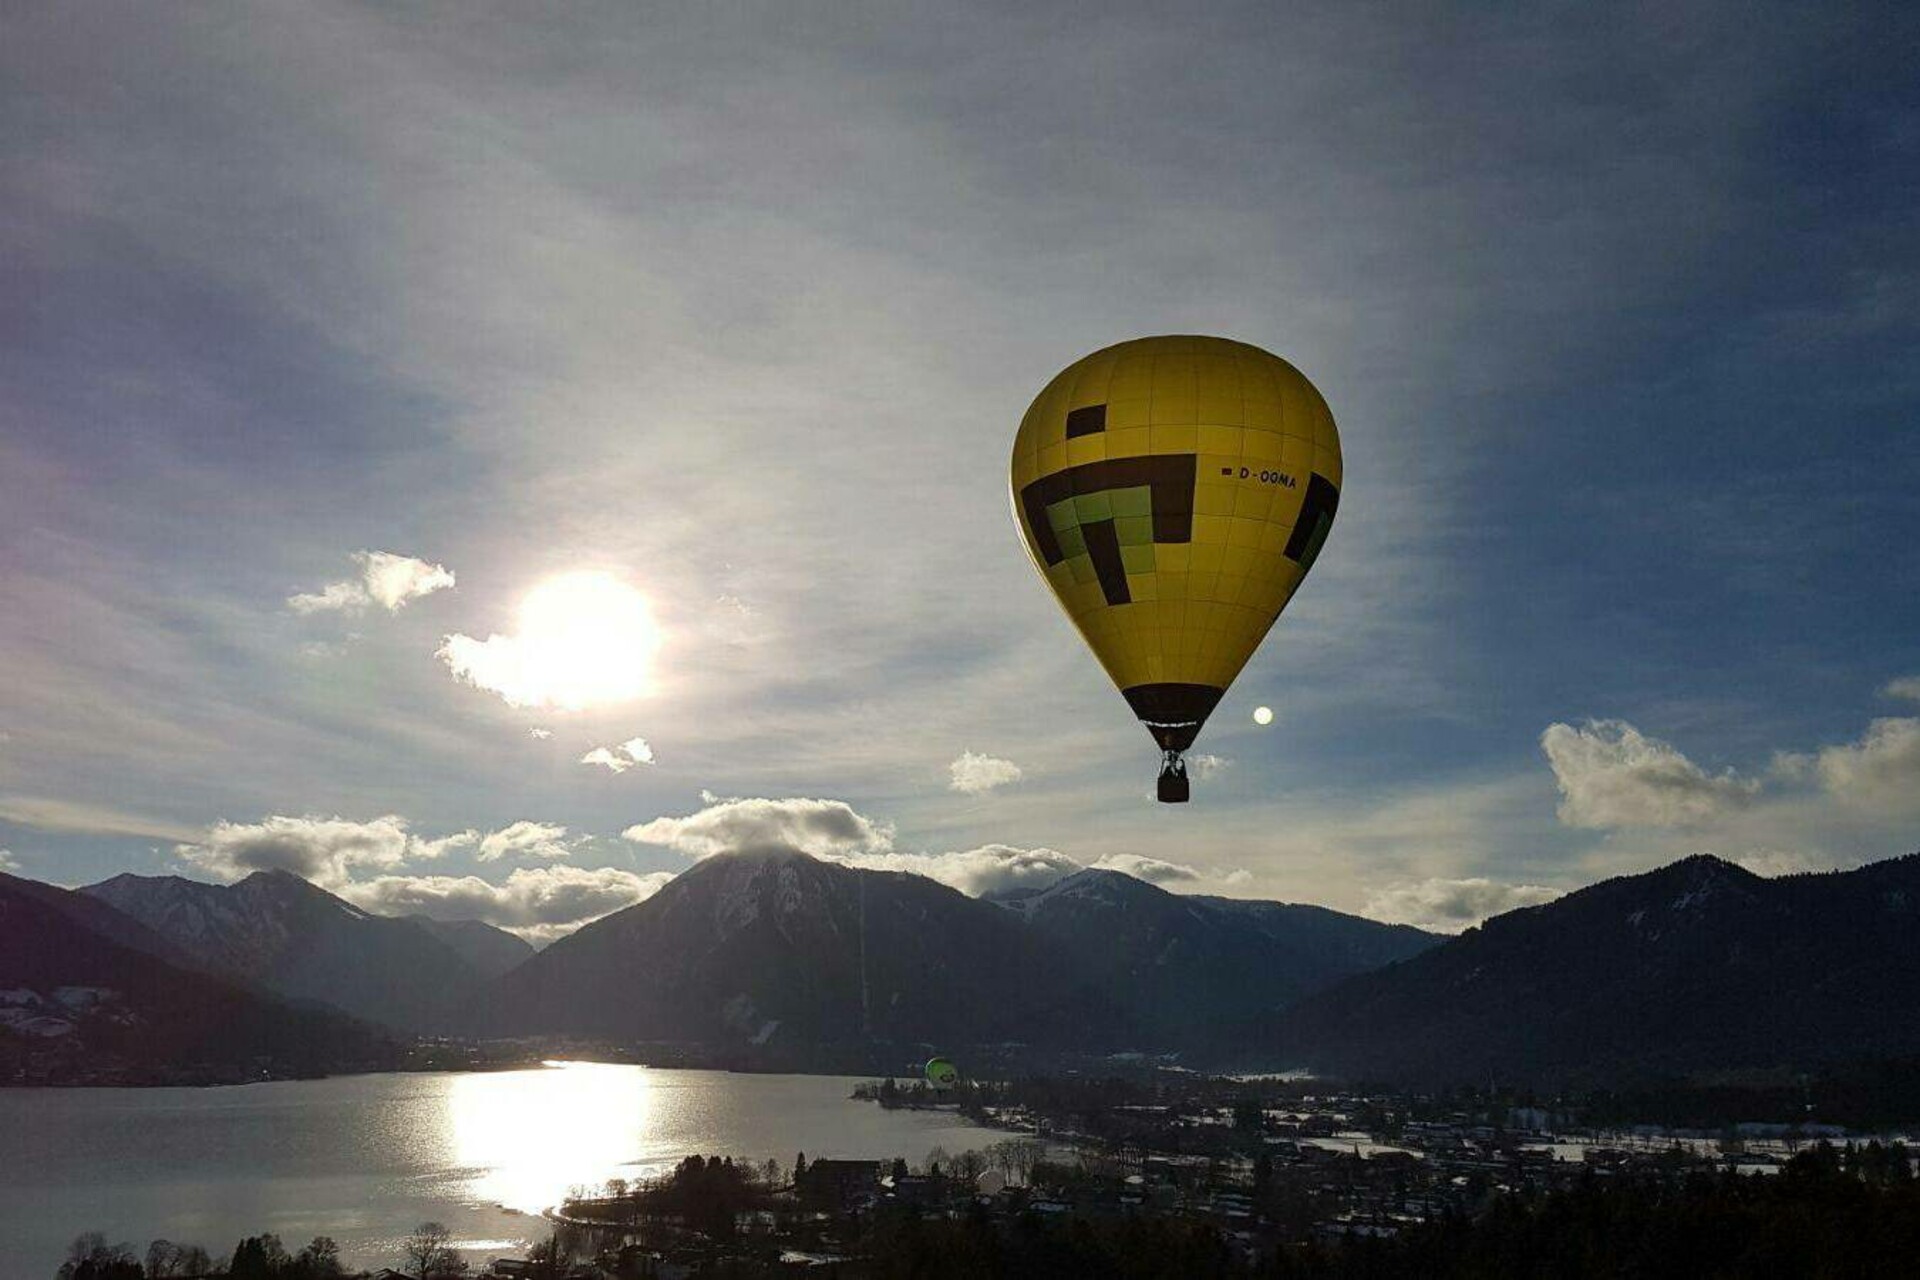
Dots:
(1695, 968)
(1182, 962)
(276, 931)
(1698, 967)
(87, 993)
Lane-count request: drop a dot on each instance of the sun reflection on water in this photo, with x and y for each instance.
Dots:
(526, 1137)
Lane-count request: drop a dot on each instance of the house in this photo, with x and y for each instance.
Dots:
(838, 1182)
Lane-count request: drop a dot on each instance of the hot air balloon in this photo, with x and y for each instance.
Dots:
(942, 1074)
(1173, 492)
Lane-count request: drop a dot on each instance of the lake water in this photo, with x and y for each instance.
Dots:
(365, 1159)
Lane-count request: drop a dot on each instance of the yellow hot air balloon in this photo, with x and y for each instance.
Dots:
(1173, 492)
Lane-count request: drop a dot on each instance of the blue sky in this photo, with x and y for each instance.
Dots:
(739, 307)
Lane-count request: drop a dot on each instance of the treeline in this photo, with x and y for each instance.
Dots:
(427, 1253)
(1829, 1213)
(1871, 1095)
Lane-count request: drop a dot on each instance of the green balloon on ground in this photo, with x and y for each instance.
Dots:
(942, 1074)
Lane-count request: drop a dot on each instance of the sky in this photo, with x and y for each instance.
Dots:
(332, 333)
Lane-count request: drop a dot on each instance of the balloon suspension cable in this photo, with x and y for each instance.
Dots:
(1173, 778)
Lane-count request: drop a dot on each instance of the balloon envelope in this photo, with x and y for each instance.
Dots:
(1174, 492)
(941, 1073)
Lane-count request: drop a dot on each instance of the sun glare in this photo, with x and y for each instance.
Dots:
(585, 639)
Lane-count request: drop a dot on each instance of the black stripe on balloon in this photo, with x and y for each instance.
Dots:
(1169, 475)
(1103, 544)
(1087, 421)
(1316, 518)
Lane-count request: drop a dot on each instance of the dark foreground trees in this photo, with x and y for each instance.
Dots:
(1826, 1215)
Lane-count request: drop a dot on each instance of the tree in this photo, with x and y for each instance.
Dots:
(320, 1260)
(799, 1168)
(163, 1260)
(90, 1257)
(260, 1257)
(429, 1253)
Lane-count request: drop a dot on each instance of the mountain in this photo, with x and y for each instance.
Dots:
(78, 1003)
(278, 931)
(1179, 962)
(1696, 967)
(490, 951)
(781, 949)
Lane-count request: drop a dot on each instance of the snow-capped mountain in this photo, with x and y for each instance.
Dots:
(298, 940)
(85, 993)
(783, 948)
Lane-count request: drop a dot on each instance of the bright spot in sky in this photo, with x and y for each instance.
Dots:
(585, 639)
(1263, 715)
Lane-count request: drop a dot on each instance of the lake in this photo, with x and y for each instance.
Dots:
(365, 1159)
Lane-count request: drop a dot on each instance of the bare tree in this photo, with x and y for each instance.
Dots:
(430, 1254)
(163, 1260)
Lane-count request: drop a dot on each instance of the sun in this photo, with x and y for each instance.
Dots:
(585, 639)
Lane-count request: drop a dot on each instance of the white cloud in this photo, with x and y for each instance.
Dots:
(1880, 772)
(539, 734)
(1907, 687)
(525, 840)
(385, 579)
(1782, 862)
(834, 831)
(1448, 906)
(1610, 775)
(9, 863)
(1205, 766)
(621, 758)
(978, 774)
(50, 814)
(988, 869)
(326, 851)
(538, 903)
(824, 828)
(1152, 870)
(430, 849)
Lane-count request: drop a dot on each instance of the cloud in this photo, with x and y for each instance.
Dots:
(385, 579)
(976, 774)
(539, 734)
(1610, 775)
(1907, 687)
(621, 758)
(1782, 862)
(525, 840)
(1152, 870)
(1205, 766)
(823, 828)
(49, 814)
(326, 851)
(834, 831)
(430, 849)
(989, 869)
(538, 903)
(1448, 906)
(1881, 771)
(9, 863)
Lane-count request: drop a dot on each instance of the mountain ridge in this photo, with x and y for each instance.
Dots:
(1698, 965)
